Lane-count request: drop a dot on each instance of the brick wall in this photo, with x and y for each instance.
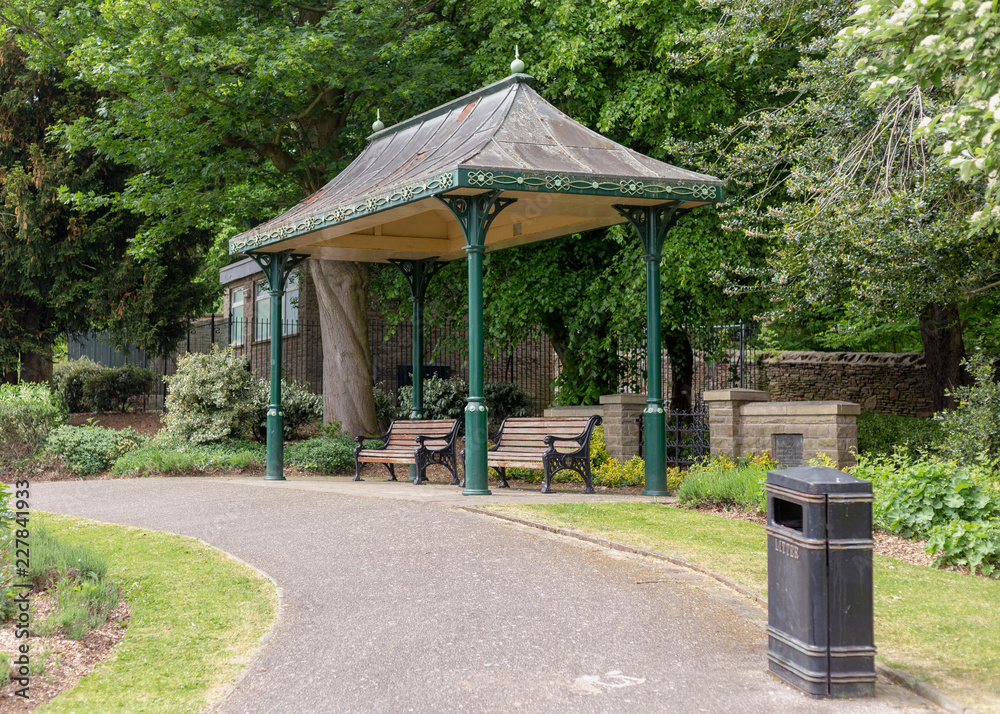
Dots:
(880, 382)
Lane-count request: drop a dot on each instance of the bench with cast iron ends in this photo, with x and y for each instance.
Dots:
(422, 443)
(553, 444)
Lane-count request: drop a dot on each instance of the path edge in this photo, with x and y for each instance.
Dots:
(904, 679)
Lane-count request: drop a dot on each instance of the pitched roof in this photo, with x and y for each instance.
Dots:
(503, 136)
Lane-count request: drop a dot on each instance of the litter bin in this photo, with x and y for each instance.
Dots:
(819, 581)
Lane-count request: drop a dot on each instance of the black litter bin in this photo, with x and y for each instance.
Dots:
(819, 581)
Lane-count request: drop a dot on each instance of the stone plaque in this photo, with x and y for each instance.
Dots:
(788, 449)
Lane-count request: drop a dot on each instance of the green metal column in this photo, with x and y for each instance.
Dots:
(475, 214)
(276, 267)
(418, 274)
(652, 223)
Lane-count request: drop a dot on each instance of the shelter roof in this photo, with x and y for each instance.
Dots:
(504, 136)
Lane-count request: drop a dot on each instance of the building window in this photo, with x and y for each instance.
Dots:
(236, 298)
(290, 307)
(262, 312)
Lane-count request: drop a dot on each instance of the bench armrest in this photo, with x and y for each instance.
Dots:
(550, 439)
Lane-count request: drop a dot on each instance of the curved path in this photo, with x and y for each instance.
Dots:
(412, 605)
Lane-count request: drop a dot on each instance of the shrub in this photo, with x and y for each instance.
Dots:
(87, 450)
(969, 544)
(28, 412)
(115, 388)
(914, 496)
(722, 482)
(883, 433)
(212, 397)
(615, 474)
(325, 454)
(971, 430)
(168, 453)
(385, 412)
(504, 399)
(299, 407)
(68, 379)
(446, 399)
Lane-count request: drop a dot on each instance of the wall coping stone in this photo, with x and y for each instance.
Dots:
(736, 395)
(800, 408)
(623, 399)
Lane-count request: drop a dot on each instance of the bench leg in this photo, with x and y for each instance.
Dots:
(357, 470)
(502, 472)
(392, 471)
(547, 468)
(421, 468)
(461, 458)
(587, 478)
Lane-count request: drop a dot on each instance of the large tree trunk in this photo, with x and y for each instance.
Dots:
(342, 295)
(941, 331)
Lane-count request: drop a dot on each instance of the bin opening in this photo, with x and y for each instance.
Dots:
(787, 514)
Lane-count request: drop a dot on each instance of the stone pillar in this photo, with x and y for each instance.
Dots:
(724, 407)
(622, 415)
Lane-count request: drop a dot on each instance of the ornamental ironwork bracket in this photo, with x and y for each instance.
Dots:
(284, 262)
(652, 224)
(418, 274)
(475, 214)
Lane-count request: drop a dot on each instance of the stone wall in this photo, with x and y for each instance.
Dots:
(743, 422)
(880, 382)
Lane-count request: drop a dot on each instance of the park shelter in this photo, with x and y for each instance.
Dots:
(496, 168)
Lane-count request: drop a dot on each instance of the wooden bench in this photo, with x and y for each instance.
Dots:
(422, 443)
(554, 444)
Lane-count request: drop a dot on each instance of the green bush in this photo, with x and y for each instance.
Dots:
(299, 407)
(446, 399)
(68, 379)
(212, 397)
(169, 454)
(971, 431)
(914, 496)
(883, 433)
(87, 450)
(325, 454)
(968, 544)
(615, 474)
(722, 482)
(112, 389)
(385, 412)
(28, 412)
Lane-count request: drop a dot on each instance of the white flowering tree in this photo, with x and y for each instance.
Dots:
(953, 44)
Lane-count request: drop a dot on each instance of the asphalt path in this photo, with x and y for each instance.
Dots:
(415, 606)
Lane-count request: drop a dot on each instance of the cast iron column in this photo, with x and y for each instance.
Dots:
(276, 267)
(652, 223)
(475, 214)
(418, 274)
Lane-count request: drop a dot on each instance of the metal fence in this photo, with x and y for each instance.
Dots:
(724, 357)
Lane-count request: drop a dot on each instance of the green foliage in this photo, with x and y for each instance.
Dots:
(940, 44)
(446, 399)
(884, 433)
(212, 397)
(28, 412)
(325, 454)
(68, 379)
(967, 544)
(953, 506)
(116, 388)
(615, 474)
(299, 406)
(167, 453)
(912, 496)
(385, 410)
(87, 450)
(971, 431)
(721, 482)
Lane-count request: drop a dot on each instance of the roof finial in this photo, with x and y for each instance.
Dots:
(517, 66)
(377, 125)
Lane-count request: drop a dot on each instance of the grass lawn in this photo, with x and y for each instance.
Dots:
(940, 626)
(197, 617)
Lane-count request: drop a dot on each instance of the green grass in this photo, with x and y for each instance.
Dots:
(938, 625)
(171, 455)
(196, 619)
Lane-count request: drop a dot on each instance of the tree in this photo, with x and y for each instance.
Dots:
(235, 110)
(937, 44)
(864, 217)
(62, 268)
